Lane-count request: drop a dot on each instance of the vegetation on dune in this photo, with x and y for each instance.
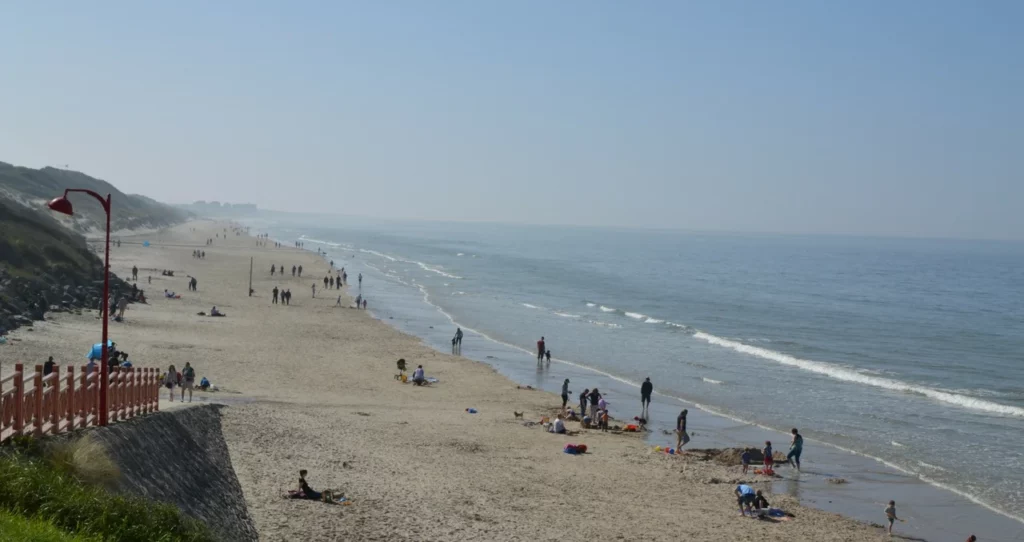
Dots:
(36, 186)
(47, 488)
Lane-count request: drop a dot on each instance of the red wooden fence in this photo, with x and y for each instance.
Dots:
(33, 404)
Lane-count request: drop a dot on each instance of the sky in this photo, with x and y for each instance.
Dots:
(869, 117)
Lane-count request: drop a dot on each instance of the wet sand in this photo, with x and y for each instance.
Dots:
(311, 385)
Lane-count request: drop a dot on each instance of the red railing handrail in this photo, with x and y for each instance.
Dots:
(63, 400)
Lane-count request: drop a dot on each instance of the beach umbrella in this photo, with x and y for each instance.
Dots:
(97, 350)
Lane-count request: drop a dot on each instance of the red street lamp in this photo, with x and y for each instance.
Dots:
(63, 205)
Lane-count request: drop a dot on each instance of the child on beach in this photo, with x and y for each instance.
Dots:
(746, 459)
(768, 460)
(604, 420)
(171, 380)
(890, 514)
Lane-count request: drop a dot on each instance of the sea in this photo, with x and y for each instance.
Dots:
(901, 361)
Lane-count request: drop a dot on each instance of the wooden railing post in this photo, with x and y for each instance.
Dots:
(19, 398)
(137, 393)
(155, 391)
(37, 382)
(57, 402)
(70, 407)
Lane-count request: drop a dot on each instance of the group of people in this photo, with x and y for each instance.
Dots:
(296, 270)
(360, 301)
(185, 380)
(331, 283)
(285, 295)
(199, 254)
(542, 351)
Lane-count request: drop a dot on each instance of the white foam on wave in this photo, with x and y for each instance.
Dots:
(460, 254)
(848, 375)
(636, 315)
(529, 306)
(380, 254)
(653, 321)
(437, 270)
(607, 309)
(710, 380)
(930, 466)
(896, 444)
(566, 315)
(591, 304)
(680, 326)
(604, 324)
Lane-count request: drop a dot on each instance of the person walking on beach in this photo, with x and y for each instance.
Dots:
(275, 295)
(682, 437)
(541, 348)
(288, 297)
(364, 304)
(122, 305)
(293, 270)
(300, 271)
(796, 447)
(360, 280)
(565, 395)
(188, 380)
(583, 402)
(458, 337)
(314, 290)
(325, 282)
(171, 380)
(646, 389)
(135, 273)
(272, 269)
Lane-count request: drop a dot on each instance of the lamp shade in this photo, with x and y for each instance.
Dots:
(62, 205)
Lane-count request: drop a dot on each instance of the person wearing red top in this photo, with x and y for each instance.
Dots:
(541, 348)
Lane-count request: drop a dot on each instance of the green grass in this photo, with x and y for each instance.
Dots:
(16, 528)
(34, 486)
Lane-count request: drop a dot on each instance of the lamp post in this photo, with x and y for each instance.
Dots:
(63, 205)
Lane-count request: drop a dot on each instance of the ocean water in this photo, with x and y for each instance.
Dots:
(900, 360)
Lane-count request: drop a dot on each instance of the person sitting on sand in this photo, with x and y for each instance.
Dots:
(557, 426)
(745, 496)
(204, 384)
(761, 503)
(304, 487)
(417, 376)
(215, 312)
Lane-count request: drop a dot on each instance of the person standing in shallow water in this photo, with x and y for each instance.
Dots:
(796, 447)
(541, 349)
(646, 389)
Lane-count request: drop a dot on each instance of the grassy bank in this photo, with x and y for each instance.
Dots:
(60, 491)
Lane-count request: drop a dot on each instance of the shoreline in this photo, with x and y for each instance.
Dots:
(1012, 526)
(310, 385)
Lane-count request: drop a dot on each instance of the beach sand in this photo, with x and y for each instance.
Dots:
(310, 386)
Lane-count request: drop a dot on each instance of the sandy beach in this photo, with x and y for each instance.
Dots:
(310, 386)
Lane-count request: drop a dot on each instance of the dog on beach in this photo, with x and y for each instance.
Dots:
(517, 415)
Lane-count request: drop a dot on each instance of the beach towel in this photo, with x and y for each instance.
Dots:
(575, 449)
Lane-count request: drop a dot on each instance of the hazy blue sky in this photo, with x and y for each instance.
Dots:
(871, 117)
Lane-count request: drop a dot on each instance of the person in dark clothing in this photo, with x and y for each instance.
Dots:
(595, 397)
(275, 295)
(304, 487)
(300, 271)
(565, 394)
(541, 348)
(681, 436)
(293, 270)
(583, 402)
(646, 389)
(48, 366)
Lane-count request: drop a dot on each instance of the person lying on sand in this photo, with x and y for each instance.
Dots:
(304, 487)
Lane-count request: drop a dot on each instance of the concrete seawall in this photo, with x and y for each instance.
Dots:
(180, 457)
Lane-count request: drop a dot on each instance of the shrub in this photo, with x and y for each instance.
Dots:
(30, 486)
(21, 529)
